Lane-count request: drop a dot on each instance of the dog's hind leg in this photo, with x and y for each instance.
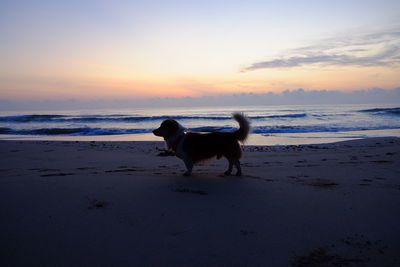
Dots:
(239, 169)
(189, 167)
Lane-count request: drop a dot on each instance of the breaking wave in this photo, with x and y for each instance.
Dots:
(88, 131)
(382, 111)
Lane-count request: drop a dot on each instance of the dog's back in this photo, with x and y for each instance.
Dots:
(200, 146)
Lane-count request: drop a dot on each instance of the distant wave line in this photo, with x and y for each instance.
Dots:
(126, 118)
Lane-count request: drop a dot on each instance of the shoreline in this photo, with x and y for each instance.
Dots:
(254, 139)
(116, 203)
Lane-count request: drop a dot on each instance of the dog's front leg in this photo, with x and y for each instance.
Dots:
(189, 167)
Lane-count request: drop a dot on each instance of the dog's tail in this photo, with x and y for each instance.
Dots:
(244, 123)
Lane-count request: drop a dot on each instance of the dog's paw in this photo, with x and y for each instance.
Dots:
(227, 173)
(238, 174)
(187, 173)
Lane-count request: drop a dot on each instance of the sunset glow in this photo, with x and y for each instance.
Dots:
(135, 49)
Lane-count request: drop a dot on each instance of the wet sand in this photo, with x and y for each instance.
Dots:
(120, 204)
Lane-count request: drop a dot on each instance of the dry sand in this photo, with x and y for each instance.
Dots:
(119, 204)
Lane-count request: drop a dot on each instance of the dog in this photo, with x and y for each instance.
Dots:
(193, 147)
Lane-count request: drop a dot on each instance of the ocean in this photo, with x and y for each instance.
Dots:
(271, 125)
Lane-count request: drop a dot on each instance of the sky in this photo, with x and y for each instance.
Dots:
(103, 49)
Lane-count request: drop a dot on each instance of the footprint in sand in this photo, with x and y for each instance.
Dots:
(97, 204)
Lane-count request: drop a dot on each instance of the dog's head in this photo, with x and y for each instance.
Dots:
(168, 128)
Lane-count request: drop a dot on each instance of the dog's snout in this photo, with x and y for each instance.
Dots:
(156, 132)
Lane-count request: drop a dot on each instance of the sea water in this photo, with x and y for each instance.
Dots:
(271, 125)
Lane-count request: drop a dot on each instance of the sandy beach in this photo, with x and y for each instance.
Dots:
(70, 203)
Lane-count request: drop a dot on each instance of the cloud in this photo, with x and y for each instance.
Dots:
(289, 97)
(377, 49)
